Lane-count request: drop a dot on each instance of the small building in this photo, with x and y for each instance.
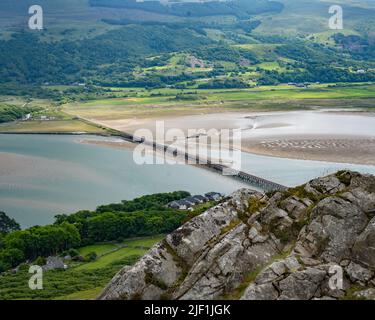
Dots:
(192, 200)
(214, 196)
(200, 198)
(27, 117)
(300, 85)
(180, 204)
(54, 263)
(184, 205)
(174, 205)
(46, 118)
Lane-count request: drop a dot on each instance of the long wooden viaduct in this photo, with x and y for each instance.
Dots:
(251, 179)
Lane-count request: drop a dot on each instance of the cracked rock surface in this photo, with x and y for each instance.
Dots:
(282, 246)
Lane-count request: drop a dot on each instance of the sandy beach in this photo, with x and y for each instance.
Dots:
(356, 150)
(331, 135)
(120, 144)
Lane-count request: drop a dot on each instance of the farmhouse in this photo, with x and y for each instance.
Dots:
(215, 196)
(189, 202)
(54, 263)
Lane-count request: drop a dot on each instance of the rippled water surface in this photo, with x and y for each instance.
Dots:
(43, 175)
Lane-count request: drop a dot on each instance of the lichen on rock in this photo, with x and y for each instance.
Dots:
(289, 240)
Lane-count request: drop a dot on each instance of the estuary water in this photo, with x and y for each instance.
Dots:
(45, 175)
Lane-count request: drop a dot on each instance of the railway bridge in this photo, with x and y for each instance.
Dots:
(251, 179)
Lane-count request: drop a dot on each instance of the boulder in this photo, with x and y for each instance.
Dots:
(364, 247)
(358, 273)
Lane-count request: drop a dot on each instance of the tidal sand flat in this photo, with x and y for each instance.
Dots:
(336, 136)
(343, 137)
(113, 142)
(359, 150)
(225, 120)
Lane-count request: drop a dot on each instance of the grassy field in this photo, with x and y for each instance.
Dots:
(61, 123)
(82, 295)
(114, 252)
(108, 258)
(311, 17)
(59, 126)
(99, 249)
(160, 103)
(80, 281)
(261, 50)
(23, 101)
(296, 93)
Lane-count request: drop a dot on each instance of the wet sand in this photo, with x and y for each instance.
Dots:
(331, 135)
(119, 144)
(228, 120)
(356, 150)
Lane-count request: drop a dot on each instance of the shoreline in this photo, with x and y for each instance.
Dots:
(58, 133)
(254, 148)
(293, 157)
(272, 134)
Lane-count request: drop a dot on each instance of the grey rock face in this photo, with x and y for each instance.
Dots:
(202, 259)
(327, 185)
(295, 206)
(283, 247)
(301, 285)
(260, 292)
(358, 273)
(364, 247)
(157, 267)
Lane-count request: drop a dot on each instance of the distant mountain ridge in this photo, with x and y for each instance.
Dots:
(239, 8)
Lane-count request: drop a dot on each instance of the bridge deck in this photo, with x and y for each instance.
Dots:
(253, 180)
(264, 184)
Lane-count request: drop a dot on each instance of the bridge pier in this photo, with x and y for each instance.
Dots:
(264, 184)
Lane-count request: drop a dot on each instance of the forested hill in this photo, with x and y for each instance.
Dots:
(27, 59)
(209, 44)
(239, 8)
(144, 216)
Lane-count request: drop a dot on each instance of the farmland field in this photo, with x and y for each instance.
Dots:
(62, 126)
(109, 253)
(264, 98)
(81, 280)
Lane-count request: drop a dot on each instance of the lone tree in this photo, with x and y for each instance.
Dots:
(8, 224)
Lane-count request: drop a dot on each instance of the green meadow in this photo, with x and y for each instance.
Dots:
(82, 280)
(59, 126)
(108, 253)
(127, 103)
(163, 102)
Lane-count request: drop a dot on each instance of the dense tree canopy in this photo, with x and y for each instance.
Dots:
(143, 216)
(7, 224)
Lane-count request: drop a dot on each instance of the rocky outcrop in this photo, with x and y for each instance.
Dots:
(316, 241)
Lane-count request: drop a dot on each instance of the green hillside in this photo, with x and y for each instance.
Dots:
(210, 44)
